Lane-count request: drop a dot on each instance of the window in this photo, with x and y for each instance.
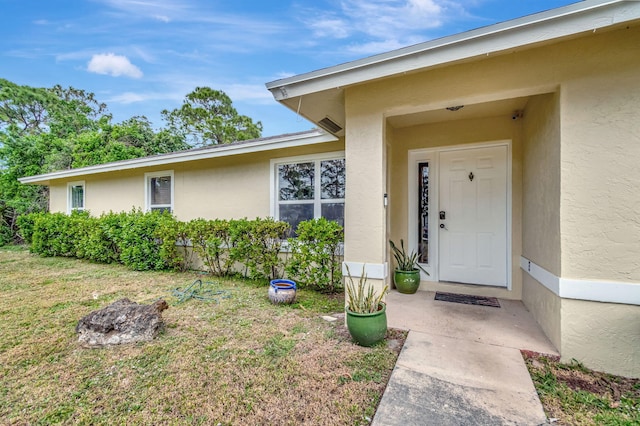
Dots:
(159, 191)
(423, 212)
(308, 188)
(75, 196)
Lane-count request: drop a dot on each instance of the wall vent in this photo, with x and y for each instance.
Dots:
(330, 125)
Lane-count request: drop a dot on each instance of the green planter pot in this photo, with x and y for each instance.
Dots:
(407, 282)
(367, 329)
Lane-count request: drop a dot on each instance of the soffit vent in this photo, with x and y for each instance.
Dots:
(330, 125)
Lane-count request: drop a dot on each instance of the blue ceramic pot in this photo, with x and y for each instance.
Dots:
(282, 291)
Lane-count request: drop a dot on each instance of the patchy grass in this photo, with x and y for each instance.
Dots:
(574, 395)
(238, 361)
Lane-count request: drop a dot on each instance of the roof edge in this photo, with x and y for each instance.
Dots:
(280, 87)
(310, 137)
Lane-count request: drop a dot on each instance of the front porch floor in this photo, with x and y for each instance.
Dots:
(461, 364)
(510, 326)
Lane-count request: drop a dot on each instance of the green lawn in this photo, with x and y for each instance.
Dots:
(239, 361)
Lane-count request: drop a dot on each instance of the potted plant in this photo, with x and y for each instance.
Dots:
(366, 312)
(407, 273)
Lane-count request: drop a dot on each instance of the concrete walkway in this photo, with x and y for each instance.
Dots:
(461, 364)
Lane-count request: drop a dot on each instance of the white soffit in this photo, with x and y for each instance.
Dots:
(584, 16)
(244, 147)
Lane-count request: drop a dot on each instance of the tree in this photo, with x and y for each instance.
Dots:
(23, 108)
(61, 111)
(75, 110)
(207, 117)
(48, 129)
(39, 129)
(137, 132)
(133, 138)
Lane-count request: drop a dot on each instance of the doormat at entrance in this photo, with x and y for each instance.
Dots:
(467, 299)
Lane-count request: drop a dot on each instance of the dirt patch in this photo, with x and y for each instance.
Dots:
(572, 394)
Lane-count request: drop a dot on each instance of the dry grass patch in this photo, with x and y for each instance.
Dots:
(238, 361)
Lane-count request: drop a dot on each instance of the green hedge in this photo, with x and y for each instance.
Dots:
(158, 241)
(316, 255)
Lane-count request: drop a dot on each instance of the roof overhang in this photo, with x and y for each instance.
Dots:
(319, 94)
(311, 137)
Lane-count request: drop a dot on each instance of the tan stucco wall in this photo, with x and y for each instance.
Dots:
(116, 193)
(545, 306)
(603, 336)
(58, 198)
(541, 208)
(225, 188)
(541, 182)
(600, 159)
(365, 226)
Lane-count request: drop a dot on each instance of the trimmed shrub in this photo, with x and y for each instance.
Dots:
(55, 235)
(174, 248)
(211, 241)
(138, 240)
(257, 245)
(155, 241)
(96, 238)
(316, 255)
(26, 224)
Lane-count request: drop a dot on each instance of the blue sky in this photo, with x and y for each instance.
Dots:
(142, 56)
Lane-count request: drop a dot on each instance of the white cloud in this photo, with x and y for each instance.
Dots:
(143, 54)
(163, 10)
(282, 74)
(162, 18)
(376, 26)
(387, 18)
(330, 27)
(113, 65)
(129, 98)
(250, 93)
(374, 47)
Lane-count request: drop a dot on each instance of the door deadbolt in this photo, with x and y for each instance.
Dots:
(443, 216)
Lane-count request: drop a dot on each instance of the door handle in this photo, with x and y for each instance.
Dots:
(443, 215)
(443, 227)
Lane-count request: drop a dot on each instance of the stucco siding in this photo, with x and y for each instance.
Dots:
(223, 188)
(600, 179)
(365, 226)
(541, 182)
(58, 198)
(116, 193)
(603, 336)
(545, 307)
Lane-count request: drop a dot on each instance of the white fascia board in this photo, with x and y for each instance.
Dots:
(285, 141)
(588, 15)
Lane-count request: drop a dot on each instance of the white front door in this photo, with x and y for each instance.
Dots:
(472, 216)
